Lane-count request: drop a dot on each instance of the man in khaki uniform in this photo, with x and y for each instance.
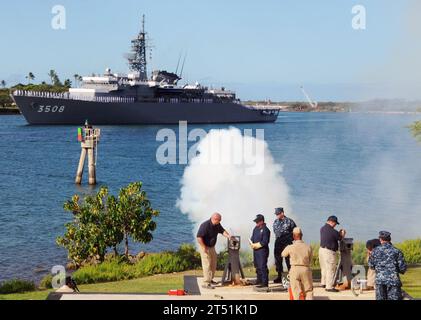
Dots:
(300, 275)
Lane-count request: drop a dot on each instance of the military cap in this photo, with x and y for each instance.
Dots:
(384, 234)
(259, 217)
(279, 210)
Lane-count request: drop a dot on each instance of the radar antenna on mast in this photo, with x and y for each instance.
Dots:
(310, 102)
(137, 58)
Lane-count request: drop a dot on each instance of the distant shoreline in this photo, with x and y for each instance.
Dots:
(9, 111)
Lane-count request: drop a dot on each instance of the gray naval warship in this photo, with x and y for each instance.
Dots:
(135, 98)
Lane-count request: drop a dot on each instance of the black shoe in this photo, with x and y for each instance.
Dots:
(214, 282)
(261, 288)
(332, 290)
(278, 279)
(323, 286)
(207, 286)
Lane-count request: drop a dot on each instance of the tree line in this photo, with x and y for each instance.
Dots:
(55, 85)
(54, 80)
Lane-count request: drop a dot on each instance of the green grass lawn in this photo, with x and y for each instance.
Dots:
(412, 282)
(152, 284)
(162, 283)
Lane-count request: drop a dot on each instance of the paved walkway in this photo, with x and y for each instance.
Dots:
(194, 286)
(247, 293)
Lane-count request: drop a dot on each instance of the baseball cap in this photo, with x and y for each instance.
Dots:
(334, 219)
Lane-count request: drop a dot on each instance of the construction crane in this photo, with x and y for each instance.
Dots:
(312, 104)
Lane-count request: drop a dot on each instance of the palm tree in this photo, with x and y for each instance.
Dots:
(3, 84)
(76, 77)
(56, 81)
(30, 77)
(67, 83)
(53, 75)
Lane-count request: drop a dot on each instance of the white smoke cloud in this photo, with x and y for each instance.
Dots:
(227, 188)
(398, 76)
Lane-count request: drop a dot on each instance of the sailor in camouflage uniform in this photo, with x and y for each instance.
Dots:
(388, 262)
(282, 227)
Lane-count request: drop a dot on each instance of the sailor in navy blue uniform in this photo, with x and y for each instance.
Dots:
(388, 262)
(259, 242)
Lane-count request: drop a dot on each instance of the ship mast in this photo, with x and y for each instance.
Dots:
(137, 59)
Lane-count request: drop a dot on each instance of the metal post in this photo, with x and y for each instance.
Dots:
(79, 172)
(91, 164)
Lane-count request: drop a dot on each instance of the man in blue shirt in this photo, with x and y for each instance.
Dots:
(206, 237)
(259, 242)
(282, 227)
(329, 245)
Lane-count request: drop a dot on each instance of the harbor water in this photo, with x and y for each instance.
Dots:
(364, 168)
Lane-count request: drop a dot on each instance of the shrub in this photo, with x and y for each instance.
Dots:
(221, 260)
(315, 261)
(118, 268)
(112, 270)
(16, 286)
(246, 258)
(187, 253)
(156, 263)
(359, 254)
(411, 250)
(46, 282)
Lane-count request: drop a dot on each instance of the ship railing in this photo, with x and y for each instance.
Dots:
(189, 100)
(264, 107)
(68, 96)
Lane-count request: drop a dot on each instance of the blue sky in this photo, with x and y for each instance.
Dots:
(262, 49)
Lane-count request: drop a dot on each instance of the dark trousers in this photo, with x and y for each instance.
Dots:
(260, 259)
(280, 245)
(386, 292)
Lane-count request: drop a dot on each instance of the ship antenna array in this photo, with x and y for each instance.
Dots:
(137, 59)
